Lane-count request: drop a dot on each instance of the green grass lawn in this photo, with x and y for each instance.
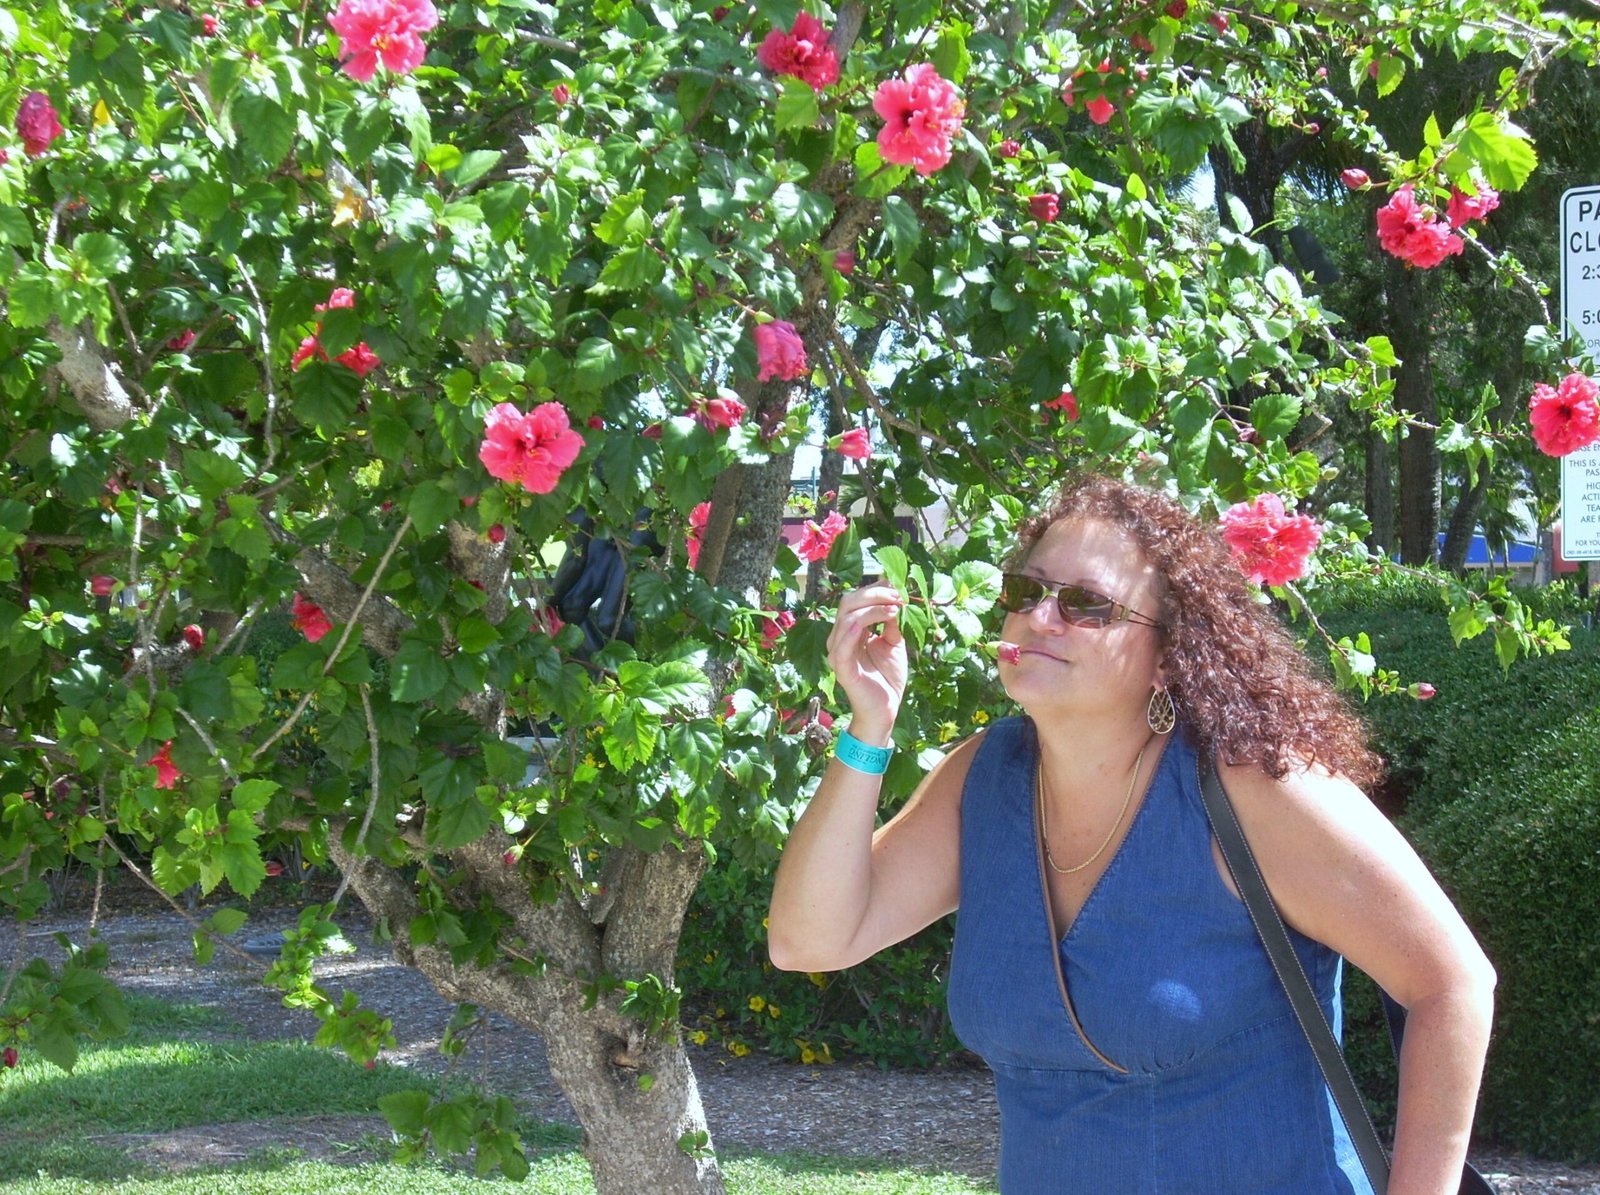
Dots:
(182, 1066)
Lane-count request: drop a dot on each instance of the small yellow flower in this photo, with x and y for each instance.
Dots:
(698, 1037)
(757, 1003)
(588, 762)
(738, 1049)
(772, 1011)
(764, 921)
(980, 717)
(594, 856)
(948, 731)
(721, 1012)
(711, 957)
(818, 978)
(808, 1055)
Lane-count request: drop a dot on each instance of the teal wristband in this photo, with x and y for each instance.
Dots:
(853, 753)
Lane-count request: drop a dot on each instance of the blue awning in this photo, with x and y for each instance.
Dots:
(1517, 552)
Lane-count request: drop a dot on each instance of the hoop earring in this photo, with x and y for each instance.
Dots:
(1161, 713)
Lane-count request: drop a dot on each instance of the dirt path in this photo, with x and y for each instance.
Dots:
(943, 1120)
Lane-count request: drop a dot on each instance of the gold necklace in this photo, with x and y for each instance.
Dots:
(1044, 828)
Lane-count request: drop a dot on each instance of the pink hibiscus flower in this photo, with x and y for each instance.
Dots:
(856, 444)
(772, 629)
(1272, 547)
(1414, 234)
(37, 123)
(309, 619)
(167, 774)
(780, 353)
(389, 29)
(921, 113)
(1464, 207)
(1099, 109)
(1066, 402)
(698, 518)
(803, 52)
(361, 359)
(723, 411)
(818, 541)
(342, 296)
(532, 449)
(1566, 417)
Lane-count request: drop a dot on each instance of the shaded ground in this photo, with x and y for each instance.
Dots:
(943, 1120)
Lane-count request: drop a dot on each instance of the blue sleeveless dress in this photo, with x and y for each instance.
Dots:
(1176, 1064)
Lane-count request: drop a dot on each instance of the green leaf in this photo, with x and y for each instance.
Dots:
(894, 566)
(431, 505)
(405, 1110)
(417, 673)
(227, 921)
(1275, 415)
(106, 255)
(901, 224)
(950, 54)
(457, 822)
(1498, 147)
(474, 166)
(623, 220)
(797, 104)
(1391, 70)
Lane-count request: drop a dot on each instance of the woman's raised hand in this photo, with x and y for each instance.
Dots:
(867, 652)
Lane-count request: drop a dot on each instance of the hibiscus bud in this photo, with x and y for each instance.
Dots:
(845, 261)
(509, 858)
(1044, 207)
(181, 342)
(1322, 72)
(1009, 148)
(274, 868)
(1010, 653)
(252, 3)
(1219, 22)
(561, 94)
(385, 507)
(208, 25)
(719, 12)
(1178, 9)
(101, 585)
(194, 637)
(9, 1057)
(372, 1064)
(1355, 178)
(830, 496)
(1313, 129)
(1372, 70)
(1422, 690)
(497, 534)
(596, 423)
(653, 432)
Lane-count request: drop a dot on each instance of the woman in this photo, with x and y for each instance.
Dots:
(1103, 964)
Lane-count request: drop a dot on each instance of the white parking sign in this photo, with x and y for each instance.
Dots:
(1580, 316)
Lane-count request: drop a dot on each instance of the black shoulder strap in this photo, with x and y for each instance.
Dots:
(1270, 928)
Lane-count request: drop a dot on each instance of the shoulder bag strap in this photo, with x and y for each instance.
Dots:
(1275, 937)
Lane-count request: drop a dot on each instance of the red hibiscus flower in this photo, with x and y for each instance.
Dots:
(723, 411)
(818, 541)
(1272, 547)
(1413, 233)
(780, 353)
(309, 619)
(803, 52)
(532, 449)
(167, 774)
(388, 29)
(921, 113)
(772, 629)
(361, 359)
(1463, 207)
(1044, 208)
(698, 518)
(37, 123)
(1065, 402)
(855, 444)
(1566, 417)
(181, 342)
(1099, 109)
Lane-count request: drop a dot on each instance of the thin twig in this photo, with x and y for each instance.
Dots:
(193, 921)
(210, 746)
(338, 650)
(239, 627)
(266, 362)
(372, 799)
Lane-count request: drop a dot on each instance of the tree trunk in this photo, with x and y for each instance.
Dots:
(1410, 310)
(1256, 186)
(1463, 521)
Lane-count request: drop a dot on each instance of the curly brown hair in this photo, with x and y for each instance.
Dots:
(1242, 687)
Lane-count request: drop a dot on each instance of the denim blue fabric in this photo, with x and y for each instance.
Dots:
(1178, 1064)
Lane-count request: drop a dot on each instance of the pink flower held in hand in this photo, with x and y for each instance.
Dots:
(818, 541)
(856, 444)
(532, 449)
(1099, 109)
(698, 518)
(1044, 208)
(921, 112)
(1273, 548)
(780, 353)
(1354, 178)
(388, 29)
(803, 52)
(1565, 418)
(1463, 207)
(37, 123)
(1413, 233)
(772, 629)
(309, 619)
(167, 774)
(1010, 653)
(1066, 402)
(101, 585)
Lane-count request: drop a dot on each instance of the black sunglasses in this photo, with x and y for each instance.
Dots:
(1079, 606)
